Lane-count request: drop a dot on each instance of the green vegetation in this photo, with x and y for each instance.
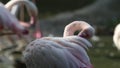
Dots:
(104, 54)
(52, 7)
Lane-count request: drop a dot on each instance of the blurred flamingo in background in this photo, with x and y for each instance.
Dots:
(20, 27)
(9, 21)
(116, 36)
(31, 9)
(68, 51)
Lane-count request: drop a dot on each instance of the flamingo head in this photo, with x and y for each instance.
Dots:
(87, 33)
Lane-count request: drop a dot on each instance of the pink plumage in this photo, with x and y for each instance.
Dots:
(60, 52)
(7, 20)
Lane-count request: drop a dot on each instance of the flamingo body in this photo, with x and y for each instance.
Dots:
(116, 36)
(59, 52)
(68, 52)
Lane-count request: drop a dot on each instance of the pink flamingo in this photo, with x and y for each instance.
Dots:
(33, 13)
(19, 27)
(7, 20)
(116, 36)
(61, 52)
(31, 9)
(16, 24)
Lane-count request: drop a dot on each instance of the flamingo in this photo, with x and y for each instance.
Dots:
(10, 22)
(116, 36)
(19, 24)
(7, 20)
(19, 27)
(68, 51)
(33, 13)
(31, 9)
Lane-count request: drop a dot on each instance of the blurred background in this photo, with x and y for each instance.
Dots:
(103, 15)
